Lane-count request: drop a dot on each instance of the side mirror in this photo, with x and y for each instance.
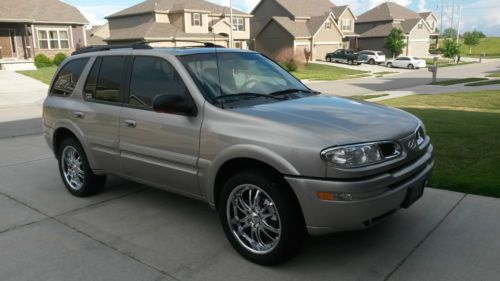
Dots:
(174, 104)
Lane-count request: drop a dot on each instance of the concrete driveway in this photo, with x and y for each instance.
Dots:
(403, 80)
(132, 232)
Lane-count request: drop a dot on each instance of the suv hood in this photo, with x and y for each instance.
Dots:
(337, 120)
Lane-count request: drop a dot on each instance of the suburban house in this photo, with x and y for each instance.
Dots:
(315, 26)
(30, 27)
(176, 22)
(375, 25)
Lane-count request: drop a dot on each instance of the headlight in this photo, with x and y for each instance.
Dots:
(359, 155)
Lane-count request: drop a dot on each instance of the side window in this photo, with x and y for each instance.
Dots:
(105, 81)
(68, 77)
(152, 76)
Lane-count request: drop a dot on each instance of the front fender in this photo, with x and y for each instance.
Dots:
(208, 169)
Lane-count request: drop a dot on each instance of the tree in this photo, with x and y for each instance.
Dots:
(395, 42)
(450, 33)
(450, 49)
(472, 39)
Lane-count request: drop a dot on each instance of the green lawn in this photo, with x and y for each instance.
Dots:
(464, 128)
(43, 74)
(484, 83)
(458, 81)
(445, 62)
(313, 71)
(489, 45)
(494, 75)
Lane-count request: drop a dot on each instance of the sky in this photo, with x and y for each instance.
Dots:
(483, 15)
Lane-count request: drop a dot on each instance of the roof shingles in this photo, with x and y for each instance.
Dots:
(53, 11)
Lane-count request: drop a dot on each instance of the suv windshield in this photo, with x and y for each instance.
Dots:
(242, 77)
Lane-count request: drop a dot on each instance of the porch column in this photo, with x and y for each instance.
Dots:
(25, 45)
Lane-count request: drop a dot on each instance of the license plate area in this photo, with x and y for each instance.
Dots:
(414, 193)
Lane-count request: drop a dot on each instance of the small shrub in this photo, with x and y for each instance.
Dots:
(42, 60)
(291, 60)
(59, 58)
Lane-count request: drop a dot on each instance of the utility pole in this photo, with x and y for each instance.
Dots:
(459, 17)
(231, 39)
(442, 11)
(452, 15)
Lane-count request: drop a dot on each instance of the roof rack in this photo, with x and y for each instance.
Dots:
(91, 49)
(140, 46)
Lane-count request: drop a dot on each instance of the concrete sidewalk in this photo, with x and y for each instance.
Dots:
(133, 232)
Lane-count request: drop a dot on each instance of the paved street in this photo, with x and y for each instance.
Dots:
(404, 80)
(132, 232)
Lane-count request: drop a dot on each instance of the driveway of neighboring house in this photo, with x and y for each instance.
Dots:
(406, 79)
(21, 101)
(133, 232)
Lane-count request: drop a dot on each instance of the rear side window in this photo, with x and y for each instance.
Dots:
(68, 77)
(152, 76)
(105, 81)
(380, 54)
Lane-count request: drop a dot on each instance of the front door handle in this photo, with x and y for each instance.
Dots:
(79, 114)
(130, 123)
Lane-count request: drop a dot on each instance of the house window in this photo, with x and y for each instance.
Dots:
(346, 25)
(328, 25)
(420, 26)
(238, 45)
(53, 39)
(238, 24)
(196, 19)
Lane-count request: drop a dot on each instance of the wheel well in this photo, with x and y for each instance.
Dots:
(60, 135)
(231, 167)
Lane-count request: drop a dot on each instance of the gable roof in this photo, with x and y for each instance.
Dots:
(388, 11)
(425, 15)
(382, 30)
(339, 10)
(306, 8)
(31, 11)
(296, 29)
(150, 6)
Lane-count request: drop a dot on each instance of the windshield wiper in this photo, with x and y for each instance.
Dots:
(242, 95)
(289, 91)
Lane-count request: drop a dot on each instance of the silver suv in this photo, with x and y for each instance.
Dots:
(233, 129)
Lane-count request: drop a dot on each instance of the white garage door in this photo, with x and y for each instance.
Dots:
(322, 50)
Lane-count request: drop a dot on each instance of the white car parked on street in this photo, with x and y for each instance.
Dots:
(374, 57)
(407, 62)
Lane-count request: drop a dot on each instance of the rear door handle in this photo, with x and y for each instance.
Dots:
(130, 123)
(79, 114)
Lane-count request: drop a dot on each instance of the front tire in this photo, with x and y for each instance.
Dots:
(410, 66)
(372, 62)
(389, 65)
(329, 59)
(75, 170)
(261, 217)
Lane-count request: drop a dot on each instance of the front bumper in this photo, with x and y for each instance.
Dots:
(372, 199)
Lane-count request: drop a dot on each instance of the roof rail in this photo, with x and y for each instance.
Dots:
(205, 44)
(91, 49)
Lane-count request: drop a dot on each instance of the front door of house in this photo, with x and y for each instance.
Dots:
(6, 48)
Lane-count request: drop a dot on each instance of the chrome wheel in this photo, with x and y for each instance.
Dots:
(253, 219)
(72, 166)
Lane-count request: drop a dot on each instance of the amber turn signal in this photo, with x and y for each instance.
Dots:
(327, 196)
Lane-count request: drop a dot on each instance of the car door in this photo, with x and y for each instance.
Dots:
(401, 62)
(159, 149)
(98, 118)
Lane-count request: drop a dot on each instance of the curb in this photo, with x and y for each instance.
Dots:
(20, 128)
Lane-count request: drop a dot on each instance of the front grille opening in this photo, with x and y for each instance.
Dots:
(378, 219)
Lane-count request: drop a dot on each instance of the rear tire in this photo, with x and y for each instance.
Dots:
(261, 217)
(75, 170)
(372, 62)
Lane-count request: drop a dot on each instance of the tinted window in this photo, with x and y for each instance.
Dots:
(403, 58)
(68, 77)
(152, 77)
(380, 53)
(105, 81)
